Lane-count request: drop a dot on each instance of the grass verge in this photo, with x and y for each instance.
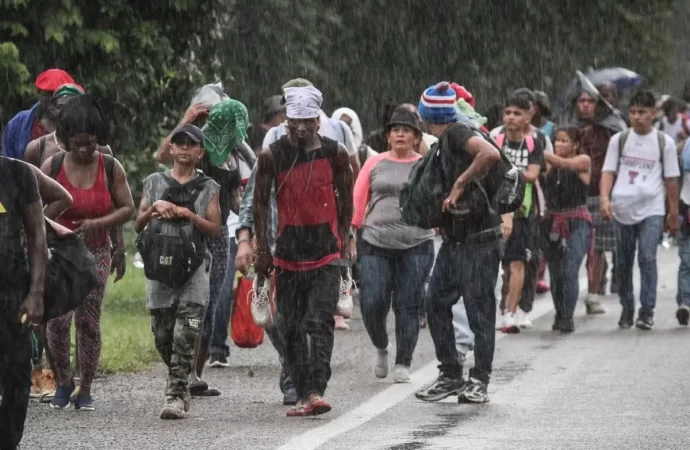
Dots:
(126, 325)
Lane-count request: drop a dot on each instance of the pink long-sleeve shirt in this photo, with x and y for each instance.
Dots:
(377, 203)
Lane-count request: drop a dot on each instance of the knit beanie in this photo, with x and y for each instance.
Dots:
(437, 104)
(462, 93)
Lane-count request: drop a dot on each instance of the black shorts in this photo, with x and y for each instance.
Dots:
(520, 246)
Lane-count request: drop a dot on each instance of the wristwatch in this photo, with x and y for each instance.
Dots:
(239, 241)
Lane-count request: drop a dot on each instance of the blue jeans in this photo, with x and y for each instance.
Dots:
(646, 235)
(564, 267)
(464, 338)
(384, 271)
(683, 296)
(224, 306)
(467, 270)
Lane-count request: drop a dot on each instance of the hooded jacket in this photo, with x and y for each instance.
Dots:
(607, 116)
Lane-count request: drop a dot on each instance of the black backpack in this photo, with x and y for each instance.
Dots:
(432, 177)
(172, 250)
(504, 185)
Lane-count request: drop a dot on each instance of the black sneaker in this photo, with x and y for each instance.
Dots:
(556, 323)
(645, 322)
(566, 325)
(289, 392)
(442, 388)
(218, 361)
(683, 315)
(627, 318)
(474, 392)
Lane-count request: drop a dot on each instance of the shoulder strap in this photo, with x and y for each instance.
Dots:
(109, 163)
(56, 164)
(500, 139)
(41, 149)
(529, 140)
(621, 144)
(661, 136)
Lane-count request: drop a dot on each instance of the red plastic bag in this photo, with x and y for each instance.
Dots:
(245, 333)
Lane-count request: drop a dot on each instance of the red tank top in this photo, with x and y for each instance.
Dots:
(90, 203)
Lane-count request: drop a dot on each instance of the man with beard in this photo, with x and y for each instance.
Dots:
(38, 121)
(313, 235)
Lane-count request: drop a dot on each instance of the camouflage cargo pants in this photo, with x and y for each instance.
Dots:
(175, 330)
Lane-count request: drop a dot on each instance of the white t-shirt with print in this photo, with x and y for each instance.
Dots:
(639, 189)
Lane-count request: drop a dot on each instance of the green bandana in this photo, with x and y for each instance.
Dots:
(225, 128)
(68, 90)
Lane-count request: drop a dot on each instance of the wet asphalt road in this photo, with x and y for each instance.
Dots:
(600, 388)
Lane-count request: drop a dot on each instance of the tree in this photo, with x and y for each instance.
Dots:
(135, 57)
(144, 59)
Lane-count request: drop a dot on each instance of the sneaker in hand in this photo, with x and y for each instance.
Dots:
(345, 303)
(262, 310)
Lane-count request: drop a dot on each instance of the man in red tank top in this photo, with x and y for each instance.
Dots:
(314, 184)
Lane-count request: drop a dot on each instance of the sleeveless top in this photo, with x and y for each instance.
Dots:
(90, 203)
(564, 190)
(307, 235)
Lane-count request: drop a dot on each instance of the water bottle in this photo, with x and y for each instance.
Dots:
(666, 242)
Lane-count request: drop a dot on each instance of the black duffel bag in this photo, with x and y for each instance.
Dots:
(70, 274)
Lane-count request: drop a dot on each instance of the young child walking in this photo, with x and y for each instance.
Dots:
(179, 210)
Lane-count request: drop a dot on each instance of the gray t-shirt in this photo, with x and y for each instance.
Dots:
(196, 289)
(377, 203)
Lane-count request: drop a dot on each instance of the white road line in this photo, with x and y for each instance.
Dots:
(389, 397)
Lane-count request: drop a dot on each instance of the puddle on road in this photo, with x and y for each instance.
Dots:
(446, 421)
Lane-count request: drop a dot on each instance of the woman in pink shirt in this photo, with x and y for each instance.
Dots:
(394, 258)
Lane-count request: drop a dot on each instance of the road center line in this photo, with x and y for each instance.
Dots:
(390, 396)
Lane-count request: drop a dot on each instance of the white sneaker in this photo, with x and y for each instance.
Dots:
(381, 364)
(261, 303)
(501, 321)
(510, 324)
(401, 374)
(345, 304)
(522, 319)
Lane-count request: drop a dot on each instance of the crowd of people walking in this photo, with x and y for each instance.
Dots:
(313, 207)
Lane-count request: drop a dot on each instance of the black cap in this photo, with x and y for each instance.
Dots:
(191, 131)
(526, 93)
(405, 117)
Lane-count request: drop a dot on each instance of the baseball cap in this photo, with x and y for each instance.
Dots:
(191, 131)
(52, 79)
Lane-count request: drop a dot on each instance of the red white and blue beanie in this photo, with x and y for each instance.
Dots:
(437, 104)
